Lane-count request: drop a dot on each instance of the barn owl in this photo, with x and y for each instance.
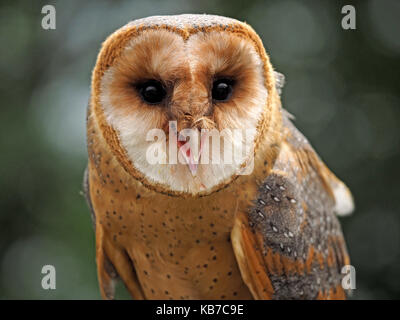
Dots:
(193, 230)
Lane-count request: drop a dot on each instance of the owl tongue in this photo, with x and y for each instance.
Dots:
(188, 154)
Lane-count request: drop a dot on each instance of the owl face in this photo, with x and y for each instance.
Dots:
(205, 82)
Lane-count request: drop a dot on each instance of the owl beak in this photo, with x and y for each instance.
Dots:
(187, 153)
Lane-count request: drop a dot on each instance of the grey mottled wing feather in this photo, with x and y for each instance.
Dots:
(289, 245)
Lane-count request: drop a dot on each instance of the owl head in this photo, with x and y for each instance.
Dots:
(164, 87)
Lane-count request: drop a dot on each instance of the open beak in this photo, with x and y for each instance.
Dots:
(189, 155)
(184, 148)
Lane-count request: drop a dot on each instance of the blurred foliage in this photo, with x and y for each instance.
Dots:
(342, 86)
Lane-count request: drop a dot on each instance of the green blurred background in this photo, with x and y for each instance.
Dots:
(342, 86)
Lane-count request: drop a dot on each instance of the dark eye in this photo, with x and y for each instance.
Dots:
(152, 91)
(222, 89)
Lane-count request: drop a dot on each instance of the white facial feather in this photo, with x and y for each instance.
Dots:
(133, 127)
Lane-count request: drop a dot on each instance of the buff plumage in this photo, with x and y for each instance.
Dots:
(219, 235)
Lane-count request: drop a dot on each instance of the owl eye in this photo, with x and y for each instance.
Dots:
(222, 89)
(152, 91)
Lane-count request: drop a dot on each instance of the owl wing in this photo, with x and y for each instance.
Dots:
(289, 244)
(112, 262)
(108, 273)
(344, 204)
(86, 194)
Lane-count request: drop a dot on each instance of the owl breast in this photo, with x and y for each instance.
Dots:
(179, 248)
